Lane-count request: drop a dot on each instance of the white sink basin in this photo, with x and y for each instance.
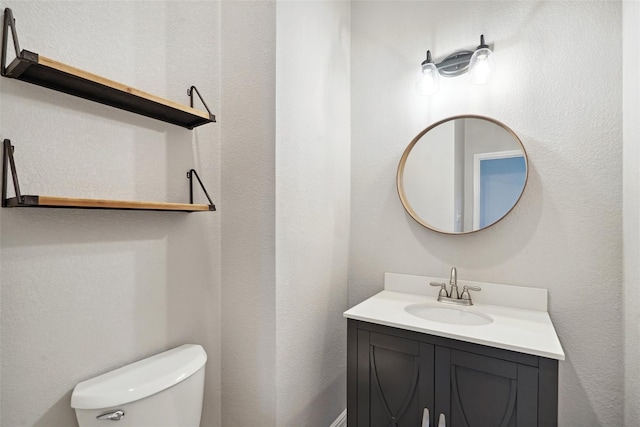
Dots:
(452, 315)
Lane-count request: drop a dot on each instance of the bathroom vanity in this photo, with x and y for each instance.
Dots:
(479, 366)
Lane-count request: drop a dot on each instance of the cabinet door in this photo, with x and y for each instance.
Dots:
(395, 381)
(480, 391)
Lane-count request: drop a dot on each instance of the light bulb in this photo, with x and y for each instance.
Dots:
(429, 78)
(481, 66)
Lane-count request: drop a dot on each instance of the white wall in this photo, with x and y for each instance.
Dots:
(285, 198)
(85, 291)
(312, 210)
(247, 120)
(631, 212)
(565, 234)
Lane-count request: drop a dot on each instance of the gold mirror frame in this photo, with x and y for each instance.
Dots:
(407, 151)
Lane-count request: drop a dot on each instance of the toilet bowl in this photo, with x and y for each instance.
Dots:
(164, 390)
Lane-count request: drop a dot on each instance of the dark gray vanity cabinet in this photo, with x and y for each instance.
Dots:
(396, 380)
(394, 374)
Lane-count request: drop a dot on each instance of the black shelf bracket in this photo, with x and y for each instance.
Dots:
(7, 161)
(190, 93)
(190, 175)
(9, 22)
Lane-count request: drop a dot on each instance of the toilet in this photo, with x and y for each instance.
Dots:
(164, 390)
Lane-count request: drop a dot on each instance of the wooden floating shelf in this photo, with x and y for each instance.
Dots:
(65, 202)
(33, 68)
(36, 69)
(22, 201)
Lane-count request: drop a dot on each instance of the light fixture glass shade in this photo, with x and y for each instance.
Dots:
(428, 80)
(482, 66)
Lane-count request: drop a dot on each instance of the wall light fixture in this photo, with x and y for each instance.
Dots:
(429, 80)
(479, 64)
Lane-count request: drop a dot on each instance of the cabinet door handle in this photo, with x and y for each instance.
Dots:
(442, 422)
(425, 418)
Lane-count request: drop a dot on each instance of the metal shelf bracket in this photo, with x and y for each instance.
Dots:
(190, 93)
(190, 175)
(7, 161)
(9, 22)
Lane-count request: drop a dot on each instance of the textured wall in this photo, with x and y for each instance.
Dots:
(565, 234)
(285, 188)
(631, 219)
(248, 196)
(312, 210)
(85, 291)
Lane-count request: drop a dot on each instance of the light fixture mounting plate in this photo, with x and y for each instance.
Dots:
(455, 64)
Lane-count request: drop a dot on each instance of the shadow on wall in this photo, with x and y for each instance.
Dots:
(576, 399)
(512, 238)
(39, 95)
(508, 237)
(58, 414)
(28, 227)
(193, 299)
(314, 414)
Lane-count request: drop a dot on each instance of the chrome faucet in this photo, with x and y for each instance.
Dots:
(454, 297)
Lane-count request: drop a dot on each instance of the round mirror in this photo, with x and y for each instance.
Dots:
(462, 174)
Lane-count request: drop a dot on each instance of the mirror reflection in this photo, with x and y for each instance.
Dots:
(462, 174)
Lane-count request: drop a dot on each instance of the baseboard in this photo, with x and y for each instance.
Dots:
(341, 421)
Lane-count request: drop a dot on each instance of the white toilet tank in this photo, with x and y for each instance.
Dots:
(164, 390)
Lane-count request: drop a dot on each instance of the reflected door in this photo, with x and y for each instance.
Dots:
(498, 187)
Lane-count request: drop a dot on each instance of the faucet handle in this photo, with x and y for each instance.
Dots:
(465, 291)
(443, 289)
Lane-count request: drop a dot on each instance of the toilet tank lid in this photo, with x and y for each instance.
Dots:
(140, 379)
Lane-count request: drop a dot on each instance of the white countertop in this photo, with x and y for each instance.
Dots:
(517, 329)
